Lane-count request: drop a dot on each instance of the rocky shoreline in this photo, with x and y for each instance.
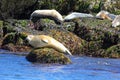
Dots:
(86, 37)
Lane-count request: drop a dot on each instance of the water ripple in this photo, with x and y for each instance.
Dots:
(14, 67)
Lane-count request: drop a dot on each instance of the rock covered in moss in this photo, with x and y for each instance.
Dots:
(12, 25)
(15, 38)
(47, 55)
(16, 48)
(17, 30)
(68, 39)
(113, 51)
(9, 38)
(15, 42)
(95, 30)
(92, 29)
(99, 36)
(92, 47)
(1, 25)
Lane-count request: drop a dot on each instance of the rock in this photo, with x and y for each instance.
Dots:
(68, 39)
(15, 37)
(111, 6)
(99, 35)
(113, 51)
(13, 25)
(1, 24)
(95, 30)
(16, 48)
(47, 55)
(89, 37)
(15, 42)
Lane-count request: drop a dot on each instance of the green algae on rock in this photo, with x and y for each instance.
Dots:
(47, 55)
(16, 48)
(99, 35)
(15, 42)
(15, 38)
(9, 38)
(1, 23)
(113, 51)
(68, 39)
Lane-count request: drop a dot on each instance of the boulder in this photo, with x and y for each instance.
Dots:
(68, 39)
(113, 51)
(47, 55)
(15, 42)
(99, 35)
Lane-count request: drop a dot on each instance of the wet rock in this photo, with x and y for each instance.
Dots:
(16, 49)
(47, 55)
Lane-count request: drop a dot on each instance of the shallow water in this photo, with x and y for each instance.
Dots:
(14, 67)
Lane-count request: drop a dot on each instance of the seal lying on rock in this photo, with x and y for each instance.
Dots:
(105, 15)
(38, 41)
(45, 14)
(50, 14)
(75, 15)
(116, 21)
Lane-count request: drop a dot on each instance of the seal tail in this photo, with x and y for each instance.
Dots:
(68, 52)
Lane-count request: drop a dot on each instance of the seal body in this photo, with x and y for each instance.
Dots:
(38, 41)
(75, 15)
(50, 14)
(116, 21)
(105, 15)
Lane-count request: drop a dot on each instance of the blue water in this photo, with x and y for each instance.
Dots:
(14, 67)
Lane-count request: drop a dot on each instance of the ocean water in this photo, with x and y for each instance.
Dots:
(14, 67)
